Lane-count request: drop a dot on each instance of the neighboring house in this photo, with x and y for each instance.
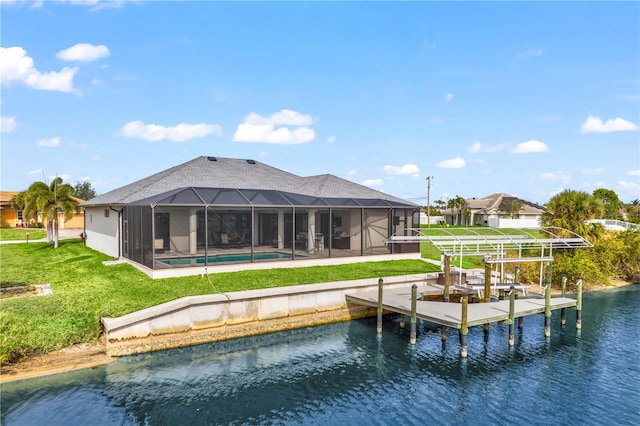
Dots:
(15, 219)
(12, 217)
(488, 211)
(217, 210)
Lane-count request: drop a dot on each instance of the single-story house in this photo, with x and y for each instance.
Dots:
(213, 210)
(491, 211)
(15, 219)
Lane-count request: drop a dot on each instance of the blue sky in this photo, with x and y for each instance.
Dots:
(521, 98)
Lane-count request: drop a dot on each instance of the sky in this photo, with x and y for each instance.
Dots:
(523, 98)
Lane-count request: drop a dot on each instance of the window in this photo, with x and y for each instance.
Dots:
(19, 215)
(106, 212)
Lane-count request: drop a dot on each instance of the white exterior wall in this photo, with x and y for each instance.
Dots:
(499, 223)
(178, 228)
(102, 232)
(435, 220)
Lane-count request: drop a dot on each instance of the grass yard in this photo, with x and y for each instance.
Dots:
(16, 234)
(84, 290)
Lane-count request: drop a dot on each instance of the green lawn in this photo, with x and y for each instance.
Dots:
(85, 290)
(14, 234)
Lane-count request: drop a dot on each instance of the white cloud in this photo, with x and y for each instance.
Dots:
(475, 147)
(454, 163)
(17, 67)
(351, 173)
(373, 182)
(331, 139)
(448, 97)
(627, 185)
(633, 172)
(7, 124)
(34, 172)
(32, 4)
(179, 133)
(407, 169)
(530, 147)
(84, 52)
(480, 147)
(257, 128)
(596, 125)
(96, 5)
(49, 143)
(531, 53)
(563, 177)
(627, 97)
(597, 171)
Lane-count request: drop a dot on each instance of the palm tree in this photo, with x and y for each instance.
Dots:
(440, 205)
(49, 201)
(456, 204)
(570, 210)
(17, 202)
(512, 207)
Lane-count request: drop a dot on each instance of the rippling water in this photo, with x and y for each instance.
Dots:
(345, 373)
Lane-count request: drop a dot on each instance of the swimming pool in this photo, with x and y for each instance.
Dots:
(220, 258)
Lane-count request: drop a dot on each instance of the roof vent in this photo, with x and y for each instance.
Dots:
(212, 159)
(251, 161)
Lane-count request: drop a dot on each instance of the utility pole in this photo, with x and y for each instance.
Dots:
(429, 201)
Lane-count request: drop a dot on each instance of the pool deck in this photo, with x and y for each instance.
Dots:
(450, 314)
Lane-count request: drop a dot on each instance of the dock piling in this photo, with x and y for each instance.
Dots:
(579, 303)
(487, 282)
(414, 298)
(443, 333)
(520, 319)
(547, 302)
(563, 319)
(447, 276)
(401, 320)
(379, 327)
(463, 327)
(512, 310)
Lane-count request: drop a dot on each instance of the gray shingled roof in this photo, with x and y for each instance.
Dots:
(491, 203)
(237, 173)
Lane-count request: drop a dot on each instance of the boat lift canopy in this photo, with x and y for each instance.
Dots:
(471, 242)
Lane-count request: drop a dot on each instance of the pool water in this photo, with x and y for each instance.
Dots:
(220, 258)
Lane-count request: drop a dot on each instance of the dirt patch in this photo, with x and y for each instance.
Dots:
(76, 357)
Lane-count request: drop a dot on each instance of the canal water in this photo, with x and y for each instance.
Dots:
(345, 374)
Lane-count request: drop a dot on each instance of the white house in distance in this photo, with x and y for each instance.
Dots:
(213, 210)
(489, 211)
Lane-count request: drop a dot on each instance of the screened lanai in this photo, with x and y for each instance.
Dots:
(201, 226)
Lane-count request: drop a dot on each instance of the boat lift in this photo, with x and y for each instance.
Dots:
(494, 246)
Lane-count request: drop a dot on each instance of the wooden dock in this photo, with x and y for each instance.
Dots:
(450, 314)
(463, 315)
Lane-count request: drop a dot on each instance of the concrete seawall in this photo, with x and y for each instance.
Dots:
(209, 318)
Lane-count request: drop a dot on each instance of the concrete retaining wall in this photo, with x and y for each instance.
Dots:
(199, 319)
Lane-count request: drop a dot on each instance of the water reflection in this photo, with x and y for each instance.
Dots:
(345, 372)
